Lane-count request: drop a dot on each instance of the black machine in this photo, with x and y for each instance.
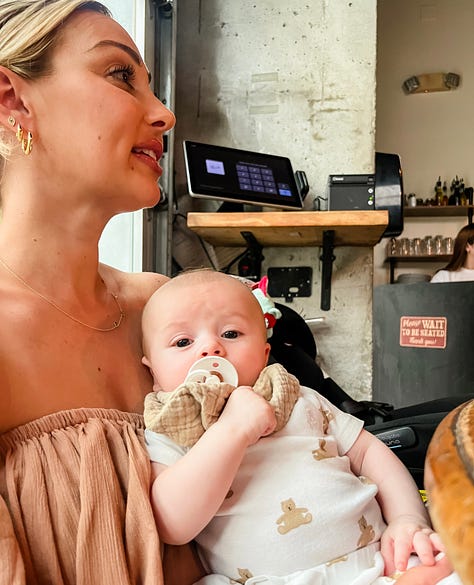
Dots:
(381, 190)
(351, 192)
(407, 431)
(389, 191)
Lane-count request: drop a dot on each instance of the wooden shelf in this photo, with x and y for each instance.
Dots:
(293, 228)
(290, 228)
(422, 258)
(438, 211)
(394, 260)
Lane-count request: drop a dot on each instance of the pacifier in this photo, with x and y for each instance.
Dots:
(212, 369)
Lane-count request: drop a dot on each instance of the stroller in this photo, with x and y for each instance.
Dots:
(407, 431)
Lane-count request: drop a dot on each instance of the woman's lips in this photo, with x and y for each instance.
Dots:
(148, 158)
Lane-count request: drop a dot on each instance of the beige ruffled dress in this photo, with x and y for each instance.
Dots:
(74, 507)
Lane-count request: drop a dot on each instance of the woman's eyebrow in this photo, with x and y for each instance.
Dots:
(133, 54)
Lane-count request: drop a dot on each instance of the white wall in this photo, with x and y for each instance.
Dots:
(433, 133)
(121, 241)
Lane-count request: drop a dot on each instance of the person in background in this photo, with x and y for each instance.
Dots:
(269, 461)
(81, 135)
(461, 266)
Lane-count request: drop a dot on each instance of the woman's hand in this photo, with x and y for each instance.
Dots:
(424, 575)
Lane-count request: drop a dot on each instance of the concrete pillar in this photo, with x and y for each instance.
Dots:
(295, 79)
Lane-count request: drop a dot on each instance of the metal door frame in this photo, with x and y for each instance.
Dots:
(160, 55)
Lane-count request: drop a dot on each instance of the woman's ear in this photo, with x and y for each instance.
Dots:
(12, 103)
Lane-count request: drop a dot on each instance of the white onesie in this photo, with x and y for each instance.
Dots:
(294, 504)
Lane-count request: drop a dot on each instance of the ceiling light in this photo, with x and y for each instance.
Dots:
(430, 82)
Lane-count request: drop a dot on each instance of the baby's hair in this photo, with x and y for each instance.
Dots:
(196, 271)
(205, 274)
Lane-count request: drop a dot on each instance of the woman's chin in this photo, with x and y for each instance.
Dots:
(150, 199)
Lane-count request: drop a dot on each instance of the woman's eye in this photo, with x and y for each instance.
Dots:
(183, 342)
(230, 334)
(124, 73)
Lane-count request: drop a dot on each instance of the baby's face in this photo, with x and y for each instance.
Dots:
(205, 319)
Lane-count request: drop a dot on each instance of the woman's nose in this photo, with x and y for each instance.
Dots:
(160, 116)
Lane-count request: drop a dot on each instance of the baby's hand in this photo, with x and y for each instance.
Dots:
(407, 535)
(248, 413)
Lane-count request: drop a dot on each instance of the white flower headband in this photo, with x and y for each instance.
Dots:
(259, 290)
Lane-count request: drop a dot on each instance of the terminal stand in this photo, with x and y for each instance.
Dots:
(327, 258)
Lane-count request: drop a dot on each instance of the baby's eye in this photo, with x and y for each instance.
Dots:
(183, 342)
(230, 334)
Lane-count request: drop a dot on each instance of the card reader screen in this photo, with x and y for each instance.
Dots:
(230, 174)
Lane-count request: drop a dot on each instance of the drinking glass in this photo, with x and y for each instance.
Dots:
(428, 245)
(448, 245)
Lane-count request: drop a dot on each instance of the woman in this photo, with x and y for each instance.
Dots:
(81, 137)
(461, 266)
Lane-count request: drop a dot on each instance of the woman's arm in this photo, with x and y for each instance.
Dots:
(186, 495)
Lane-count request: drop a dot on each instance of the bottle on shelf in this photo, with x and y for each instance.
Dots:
(462, 193)
(469, 192)
(445, 194)
(454, 198)
(439, 192)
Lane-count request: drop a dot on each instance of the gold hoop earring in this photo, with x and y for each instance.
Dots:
(19, 133)
(25, 143)
(11, 120)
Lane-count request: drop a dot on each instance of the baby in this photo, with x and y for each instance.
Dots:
(276, 484)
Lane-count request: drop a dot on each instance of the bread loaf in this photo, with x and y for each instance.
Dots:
(449, 480)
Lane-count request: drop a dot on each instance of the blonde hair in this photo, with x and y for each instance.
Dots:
(29, 31)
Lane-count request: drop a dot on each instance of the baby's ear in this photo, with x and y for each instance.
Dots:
(267, 352)
(146, 362)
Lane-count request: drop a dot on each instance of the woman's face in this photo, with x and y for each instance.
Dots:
(98, 128)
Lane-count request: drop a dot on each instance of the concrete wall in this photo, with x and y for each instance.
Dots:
(432, 133)
(295, 79)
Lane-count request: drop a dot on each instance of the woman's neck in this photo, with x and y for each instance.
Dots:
(469, 263)
(53, 261)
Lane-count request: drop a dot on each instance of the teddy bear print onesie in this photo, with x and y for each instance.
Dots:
(296, 513)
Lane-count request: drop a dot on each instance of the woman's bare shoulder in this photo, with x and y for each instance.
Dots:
(138, 285)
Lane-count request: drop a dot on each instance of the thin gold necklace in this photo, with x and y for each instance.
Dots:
(116, 324)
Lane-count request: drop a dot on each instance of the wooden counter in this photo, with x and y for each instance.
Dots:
(290, 228)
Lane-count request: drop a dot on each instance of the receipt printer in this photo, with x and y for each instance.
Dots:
(347, 192)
